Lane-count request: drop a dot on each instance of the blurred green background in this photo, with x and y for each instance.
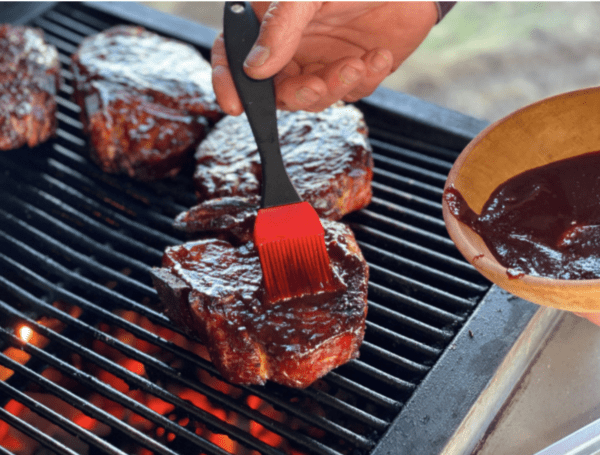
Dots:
(485, 59)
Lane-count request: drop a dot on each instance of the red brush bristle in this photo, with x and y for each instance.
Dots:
(291, 245)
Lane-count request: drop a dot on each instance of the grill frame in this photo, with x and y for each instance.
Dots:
(424, 127)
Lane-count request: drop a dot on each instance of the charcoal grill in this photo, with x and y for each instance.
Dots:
(89, 364)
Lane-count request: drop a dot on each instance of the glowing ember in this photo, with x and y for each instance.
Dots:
(25, 333)
(20, 444)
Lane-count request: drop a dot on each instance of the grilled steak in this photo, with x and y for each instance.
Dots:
(145, 100)
(327, 156)
(231, 217)
(29, 81)
(213, 288)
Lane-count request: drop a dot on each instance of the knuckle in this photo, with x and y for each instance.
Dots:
(217, 54)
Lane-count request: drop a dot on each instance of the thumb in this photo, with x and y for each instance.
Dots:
(280, 33)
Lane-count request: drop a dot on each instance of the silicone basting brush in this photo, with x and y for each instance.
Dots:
(288, 232)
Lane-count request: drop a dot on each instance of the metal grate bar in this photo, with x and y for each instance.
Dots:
(113, 319)
(409, 170)
(62, 45)
(68, 120)
(418, 329)
(55, 417)
(53, 205)
(421, 253)
(119, 397)
(396, 262)
(65, 61)
(64, 103)
(69, 228)
(387, 379)
(427, 191)
(149, 387)
(78, 200)
(413, 157)
(164, 190)
(420, 236)
(74, 25)
(75, 401)
(67, 76)
(392, 137)
(386, 355)
(78, 259)
(111, 297)
(426, 292)
(401, 301)
(164, 369)
(359, 414)
(77, 141)
(4, 451)
(374, 397)
(57, 229)
(405, 342)
(31, 431)
(58, 30)
(434, 221)
(94, 22)
(137, 205)
(109, 195)
(406, 199)
(73, 161)
(400, 213)
(86, 204)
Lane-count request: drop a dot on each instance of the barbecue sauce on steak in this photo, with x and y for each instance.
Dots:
(146, 101)
(214, 289)
(543, 222)
(326, 154)
(233, 217)
(29, 82)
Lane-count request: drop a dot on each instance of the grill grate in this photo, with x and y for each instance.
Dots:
(76, 246)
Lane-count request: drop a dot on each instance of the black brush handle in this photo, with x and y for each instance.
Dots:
(240, 30)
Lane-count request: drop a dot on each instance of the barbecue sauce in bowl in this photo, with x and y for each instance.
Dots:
(544, 222)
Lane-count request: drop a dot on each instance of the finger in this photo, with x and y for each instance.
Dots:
(330, 85)
(222, 80)
(379, 63)
(300, 92)
(592, 317)
(341, 78)
(280, 33)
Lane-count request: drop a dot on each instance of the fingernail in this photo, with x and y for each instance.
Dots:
(218, 70)
(348, 75)
(379, 62)
(257, 56)
(307, 96)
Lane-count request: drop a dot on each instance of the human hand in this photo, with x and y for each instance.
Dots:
(322, 52)
(592, 317)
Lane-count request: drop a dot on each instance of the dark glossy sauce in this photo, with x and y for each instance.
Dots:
(145, 100)
(134, 60)
(29, 81)
(230, 282)
(326, 154)
(544, 222)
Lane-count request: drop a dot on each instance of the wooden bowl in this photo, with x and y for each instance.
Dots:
(555, 128)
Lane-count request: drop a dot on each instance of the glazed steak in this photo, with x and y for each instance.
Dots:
(29, 81)
(214, 290)
(327, 156)
(231, 217)
(145, 100)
